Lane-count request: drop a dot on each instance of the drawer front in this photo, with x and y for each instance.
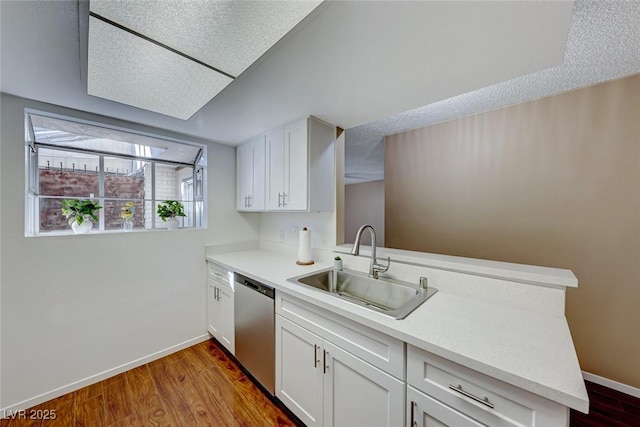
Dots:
(380, 350)
(424, 411)
(219, 275)
(479, 396)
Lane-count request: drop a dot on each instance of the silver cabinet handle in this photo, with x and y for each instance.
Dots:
(279, 200)
(215, 293)
(250, 199)
(315, 356)
(465, 393)
(413, 417)
(283, 200)
(245, 201)
(324, 361)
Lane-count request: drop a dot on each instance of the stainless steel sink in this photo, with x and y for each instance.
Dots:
(388, 296)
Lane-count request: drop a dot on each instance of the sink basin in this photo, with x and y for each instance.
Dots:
(388, 296)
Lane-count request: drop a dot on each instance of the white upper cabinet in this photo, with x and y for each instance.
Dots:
(251, 175)
(275, 149)
(288, 169)
(300, 168)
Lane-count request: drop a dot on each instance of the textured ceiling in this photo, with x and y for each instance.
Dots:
(172, 57)
(603, 44)
(348, 62)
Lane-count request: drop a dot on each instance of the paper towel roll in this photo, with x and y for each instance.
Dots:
(304, 248)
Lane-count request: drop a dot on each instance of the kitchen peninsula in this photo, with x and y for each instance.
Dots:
(491, 346)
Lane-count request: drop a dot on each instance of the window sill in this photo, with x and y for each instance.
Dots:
(62, 233)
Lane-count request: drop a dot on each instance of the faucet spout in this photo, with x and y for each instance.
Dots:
(374, 267)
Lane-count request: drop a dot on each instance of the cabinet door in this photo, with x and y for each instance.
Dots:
(213, 312)
(258, 178)
(226, 329)
(358, 394)
(424, 411)
(299, 371)
(296, 166)
(244, 176)
(251, 175)
(275, 169)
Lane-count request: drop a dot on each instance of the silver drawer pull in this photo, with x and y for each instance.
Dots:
(414, 423)
(484, 401)
(315, 356)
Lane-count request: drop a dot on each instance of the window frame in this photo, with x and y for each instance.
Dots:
(32, 213)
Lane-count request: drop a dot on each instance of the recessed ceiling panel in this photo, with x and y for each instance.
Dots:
(128, 69)
(227, 35)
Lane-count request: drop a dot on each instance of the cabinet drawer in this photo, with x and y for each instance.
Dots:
(380, 350)
(219, 274)
(425, 411)
(483, 398)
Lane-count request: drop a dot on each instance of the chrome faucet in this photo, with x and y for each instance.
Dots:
(374, 267)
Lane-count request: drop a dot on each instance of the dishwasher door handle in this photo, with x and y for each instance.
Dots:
(253, 286)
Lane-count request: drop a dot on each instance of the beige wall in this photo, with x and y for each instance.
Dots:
(552, 182)
(364, 204)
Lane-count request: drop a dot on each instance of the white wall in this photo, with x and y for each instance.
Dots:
(364, 204)
(321, 225)
(78, 308)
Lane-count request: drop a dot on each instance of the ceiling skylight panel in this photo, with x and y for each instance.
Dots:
(128, 69)
(227, 35)
(63, 133)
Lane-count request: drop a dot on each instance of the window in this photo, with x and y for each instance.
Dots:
(74, 159)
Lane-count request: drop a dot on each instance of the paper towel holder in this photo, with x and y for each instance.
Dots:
(304, 249)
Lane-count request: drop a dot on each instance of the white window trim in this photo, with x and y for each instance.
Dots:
(31, 207)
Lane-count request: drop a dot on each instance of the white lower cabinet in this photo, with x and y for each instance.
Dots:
(358, 394)
(220, 303)
(299, 372)
(325, 385)
(443, 393)
(334, 372)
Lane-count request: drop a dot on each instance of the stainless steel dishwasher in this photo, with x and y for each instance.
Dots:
(254, 310)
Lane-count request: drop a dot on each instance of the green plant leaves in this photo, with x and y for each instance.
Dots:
(79, 210)
(170, 209)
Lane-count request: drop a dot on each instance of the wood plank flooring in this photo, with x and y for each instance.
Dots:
(203, 386)
(198, 386)
(608, 408)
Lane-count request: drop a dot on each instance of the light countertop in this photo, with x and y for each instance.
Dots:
(528, 350)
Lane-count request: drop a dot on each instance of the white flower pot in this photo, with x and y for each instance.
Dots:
(172, 223)
(83, 228)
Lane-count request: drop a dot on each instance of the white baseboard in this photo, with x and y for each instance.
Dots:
(614, 385)
(45, 397)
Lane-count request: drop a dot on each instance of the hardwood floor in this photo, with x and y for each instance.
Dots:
(608, 408)
(198, 386)
(203, 386)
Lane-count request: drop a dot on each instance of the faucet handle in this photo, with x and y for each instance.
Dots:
(379, 268)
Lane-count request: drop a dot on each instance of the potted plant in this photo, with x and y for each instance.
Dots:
(169, 211)
(80, 213)
(126, 213)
